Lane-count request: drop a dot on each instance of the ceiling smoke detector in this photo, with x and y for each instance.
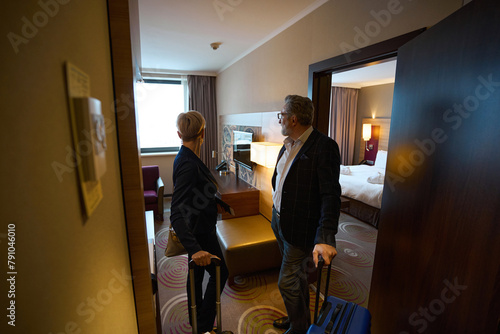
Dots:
(215, 45)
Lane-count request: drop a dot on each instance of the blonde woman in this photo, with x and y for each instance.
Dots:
(194, 215)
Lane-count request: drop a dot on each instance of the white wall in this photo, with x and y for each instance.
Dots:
(73, 275)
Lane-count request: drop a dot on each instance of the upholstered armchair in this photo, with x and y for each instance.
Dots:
(153, 190)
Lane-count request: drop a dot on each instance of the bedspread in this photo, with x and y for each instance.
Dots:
(355, 185)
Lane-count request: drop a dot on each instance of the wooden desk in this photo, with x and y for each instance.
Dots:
(242, 197)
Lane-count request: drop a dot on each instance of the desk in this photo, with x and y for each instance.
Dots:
(242, 197)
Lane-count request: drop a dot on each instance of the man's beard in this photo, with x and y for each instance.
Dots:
(284, 131)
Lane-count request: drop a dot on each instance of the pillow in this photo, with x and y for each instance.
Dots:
(376, 178)
(345, 170)
(381, 159)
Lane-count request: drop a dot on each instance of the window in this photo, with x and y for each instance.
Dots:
(158, 104)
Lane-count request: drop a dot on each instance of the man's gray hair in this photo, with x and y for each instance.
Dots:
(301, 107)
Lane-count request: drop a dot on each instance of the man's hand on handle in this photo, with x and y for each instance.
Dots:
(326, 251)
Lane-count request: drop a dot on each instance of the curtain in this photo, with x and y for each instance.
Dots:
(202, 99)
(343, 121)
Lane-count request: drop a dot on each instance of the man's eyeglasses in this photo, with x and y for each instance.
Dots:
(281, 114)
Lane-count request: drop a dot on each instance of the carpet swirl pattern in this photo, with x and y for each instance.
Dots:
(253, 302)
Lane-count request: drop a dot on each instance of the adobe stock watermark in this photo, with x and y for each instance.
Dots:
(31, 26)
(424, 315)
(454, 117)
(90, 307)
(223, 6)
(373, 28)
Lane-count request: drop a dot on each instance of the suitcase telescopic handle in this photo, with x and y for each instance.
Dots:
(217, 262)
(321, 263)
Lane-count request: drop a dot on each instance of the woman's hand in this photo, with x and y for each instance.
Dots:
(202, 258)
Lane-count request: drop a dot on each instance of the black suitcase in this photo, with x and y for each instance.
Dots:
(337, 315)
(194, 319)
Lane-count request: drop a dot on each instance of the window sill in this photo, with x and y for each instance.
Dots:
(159, 154)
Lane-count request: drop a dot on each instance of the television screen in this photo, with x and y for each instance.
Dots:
(241, 148)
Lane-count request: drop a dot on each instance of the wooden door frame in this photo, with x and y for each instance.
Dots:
(125, 55)
(320, 73)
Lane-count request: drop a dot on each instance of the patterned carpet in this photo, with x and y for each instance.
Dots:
(253, 302)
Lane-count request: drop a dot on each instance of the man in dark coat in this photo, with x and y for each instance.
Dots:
(306, 199)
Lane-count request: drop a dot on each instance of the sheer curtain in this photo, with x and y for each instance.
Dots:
(343, 121)
(202, 99)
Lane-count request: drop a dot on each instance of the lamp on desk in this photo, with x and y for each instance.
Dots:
(367, 134)
(264, 153)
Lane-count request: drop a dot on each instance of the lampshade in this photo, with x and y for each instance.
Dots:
(367, 132)
(264, 153)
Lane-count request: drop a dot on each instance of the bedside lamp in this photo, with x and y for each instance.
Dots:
(367, 134)
(264, 153)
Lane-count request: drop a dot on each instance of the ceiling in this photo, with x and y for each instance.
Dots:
(378, 74)
(175, 36)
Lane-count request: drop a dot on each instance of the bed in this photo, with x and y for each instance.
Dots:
(363, 185)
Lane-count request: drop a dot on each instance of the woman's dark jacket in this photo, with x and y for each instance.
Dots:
(193, 208)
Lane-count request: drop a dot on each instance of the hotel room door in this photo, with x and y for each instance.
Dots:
(437, 260)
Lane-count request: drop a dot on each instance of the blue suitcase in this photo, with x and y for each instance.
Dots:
(338, 316)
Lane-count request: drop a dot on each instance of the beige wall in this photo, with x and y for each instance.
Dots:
(260, 81)
(375, 101)
(73, 275)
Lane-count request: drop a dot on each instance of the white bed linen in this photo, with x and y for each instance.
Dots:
(356, 186)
